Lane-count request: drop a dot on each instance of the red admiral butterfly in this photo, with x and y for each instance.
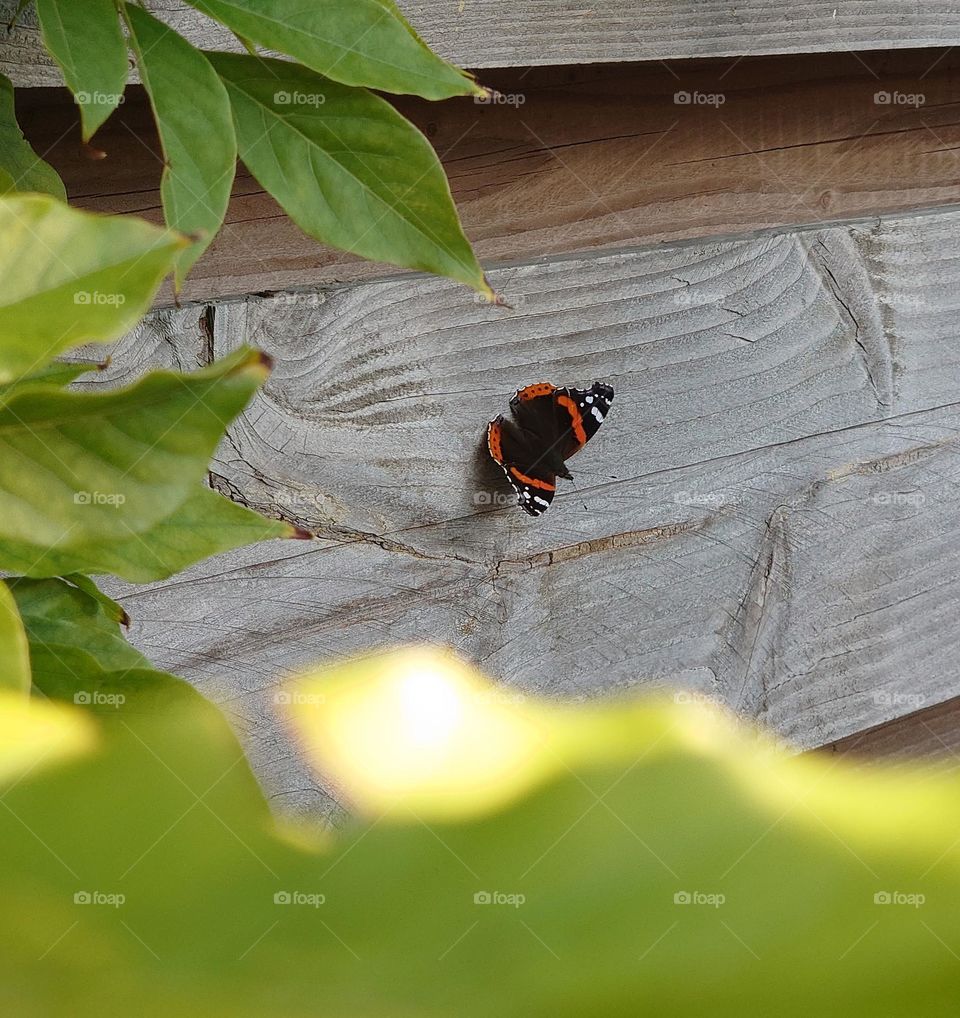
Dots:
(551, 425)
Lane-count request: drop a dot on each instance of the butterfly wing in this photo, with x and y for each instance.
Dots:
(580, 413)
(511, 448)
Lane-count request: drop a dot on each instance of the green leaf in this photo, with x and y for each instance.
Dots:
(80, 656)
(69, 277)
(73, 634)
(347, 168)
(192, 111)
(14, 656)
(57, 373)
(595, 892)
(114, 611)
(86, 41)
(357, 42)
(82, 471)
(205, 524)
(21, 169)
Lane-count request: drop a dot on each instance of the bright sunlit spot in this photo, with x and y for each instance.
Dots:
(420, 729)
(431, 709)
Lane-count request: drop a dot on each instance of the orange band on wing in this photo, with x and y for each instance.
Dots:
(532, 481)
(493, 441)
(578, 432)
(533, 391)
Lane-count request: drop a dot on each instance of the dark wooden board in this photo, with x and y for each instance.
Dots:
(594, 158)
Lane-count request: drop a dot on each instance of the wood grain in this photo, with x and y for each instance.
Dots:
(495, 33)
(768, 517)
(594, 158)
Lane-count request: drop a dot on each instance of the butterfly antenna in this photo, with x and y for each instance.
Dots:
(577, 489)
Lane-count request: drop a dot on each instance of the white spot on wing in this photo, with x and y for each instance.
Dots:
(597, 413)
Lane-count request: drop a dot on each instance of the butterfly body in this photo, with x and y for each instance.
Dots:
(549, 425)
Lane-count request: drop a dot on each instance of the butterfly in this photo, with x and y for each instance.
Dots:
(549, 426)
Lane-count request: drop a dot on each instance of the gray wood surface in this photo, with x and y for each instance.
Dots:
(498, 33)
(768, 516)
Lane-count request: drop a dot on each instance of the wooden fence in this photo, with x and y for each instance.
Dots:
(758, 250)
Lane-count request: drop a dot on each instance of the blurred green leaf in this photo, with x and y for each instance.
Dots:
(85, 472)
(357, 42)
(67, 277)
(346, 167)
(14, 657)
(21, 169)
(192, 112)
(84, 38)
(205, 524)
(669, 863)
(36, 735)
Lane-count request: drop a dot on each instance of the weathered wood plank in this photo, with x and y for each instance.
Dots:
(593, 158)
(930, 736)
(495, 33)
(768, 516)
